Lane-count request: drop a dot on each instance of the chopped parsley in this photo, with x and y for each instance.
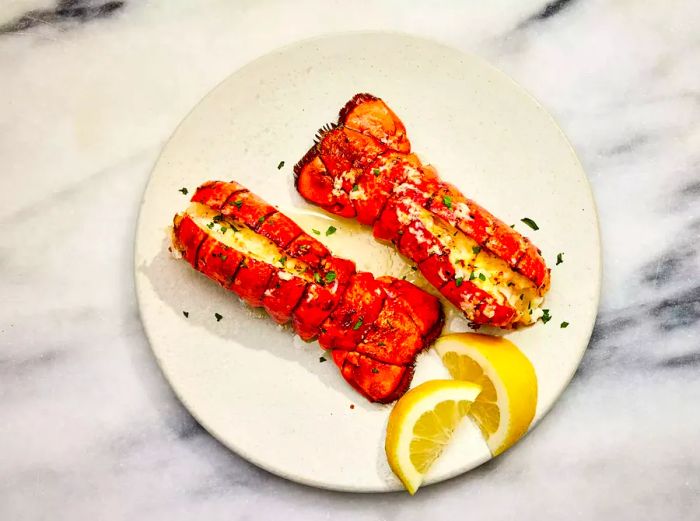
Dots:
(564, 325)
(476, 250)
(210, 225)
(560, 258)
(472, 276)
(237, 204)
(186, 313)
(331, 230)
(279, 167)
(218, 317)
(223, 229)
(217, 218)
(375, 172)
(357, 325)
(355, 188)
(282, 260)
(315, 231)
(482, 276)
(532, 224)
(381, 344)
(375, 370)
(330, 276)
(183, 190)
(321, 359)
(317, 277)
(447, 201)
(458, 281)
(261, 218)
(546, 317)
(414, 268)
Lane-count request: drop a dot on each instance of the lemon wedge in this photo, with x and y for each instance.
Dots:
(421, 424)
(506, 406)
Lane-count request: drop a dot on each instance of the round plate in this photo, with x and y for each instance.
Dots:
(254, 385)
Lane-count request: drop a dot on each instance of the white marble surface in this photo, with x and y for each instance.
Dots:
(90, 92)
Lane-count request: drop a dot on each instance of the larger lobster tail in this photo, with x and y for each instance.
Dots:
(484, 267)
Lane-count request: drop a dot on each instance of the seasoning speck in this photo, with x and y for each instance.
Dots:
(546, 317)
(331, 230)
(279, 167)
(183, 190)
(218, 317)
(532, 224)
(564, 325)
(560, 258)
(186, 313)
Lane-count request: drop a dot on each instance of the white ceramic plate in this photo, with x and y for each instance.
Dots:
(254, 385)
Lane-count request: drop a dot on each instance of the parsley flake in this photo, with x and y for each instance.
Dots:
(476, 250)
(210, 225)
(355, 188)
(223, 229)
(315, 231)
(564, 325)
(447, 201)
(321, 359)
(472, 276)
(237, 204)
(532, 224)
(330, 276)
(218, 317)
(482, 276)
(546, 317)
(261, 218)
(375, 172)
(375, 370)
(186, 313)
(282, 260)
(560, 258)
(458, 281)
(317, 277)
(279, 167)
(357, 325)
(183, 190)
(331, 230)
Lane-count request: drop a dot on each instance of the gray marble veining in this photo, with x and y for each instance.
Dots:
(90, 92)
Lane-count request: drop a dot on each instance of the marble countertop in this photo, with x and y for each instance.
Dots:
(90, 92)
